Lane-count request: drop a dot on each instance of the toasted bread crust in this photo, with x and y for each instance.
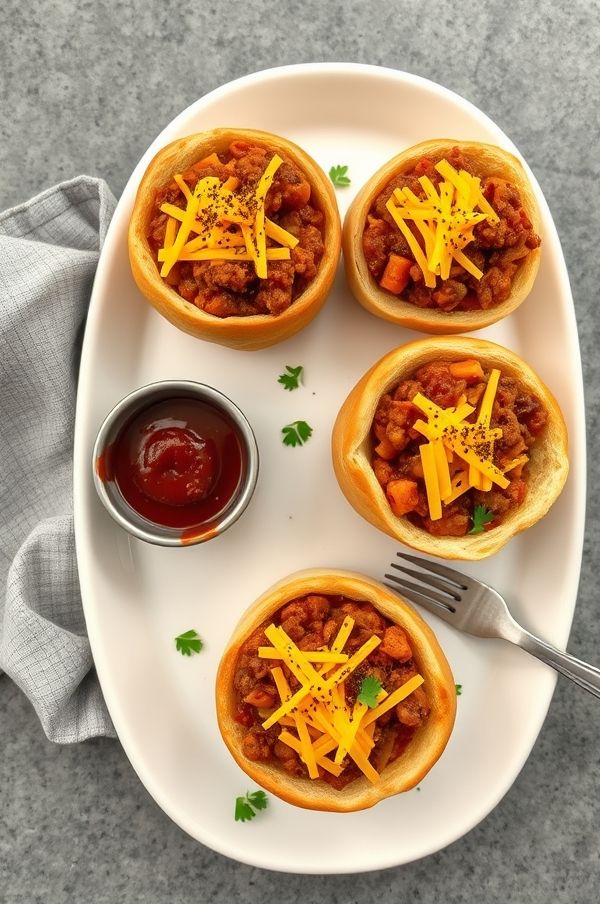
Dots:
(351, 447)
(425, 747)
(490, 160)
(257, 331)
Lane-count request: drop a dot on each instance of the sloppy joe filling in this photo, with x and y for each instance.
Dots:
(498, 245)
(321, 625)
(228, 285)
(485, 457)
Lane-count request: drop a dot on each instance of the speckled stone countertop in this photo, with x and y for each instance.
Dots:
(75, 822)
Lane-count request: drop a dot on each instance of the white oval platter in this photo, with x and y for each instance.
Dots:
(137, 597)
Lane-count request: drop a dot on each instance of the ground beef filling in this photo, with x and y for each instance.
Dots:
(313, 622)
(519, 414)
(231, 288)
(498, 250)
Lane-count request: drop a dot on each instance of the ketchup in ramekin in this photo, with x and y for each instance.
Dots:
(176, 470)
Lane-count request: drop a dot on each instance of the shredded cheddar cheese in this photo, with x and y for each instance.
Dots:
(459, 455)
(227, 226)
(441, 224)
(323, 720)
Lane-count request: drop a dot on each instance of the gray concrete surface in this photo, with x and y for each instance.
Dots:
(85, 87)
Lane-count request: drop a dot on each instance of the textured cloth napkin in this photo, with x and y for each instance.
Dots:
(49, 250)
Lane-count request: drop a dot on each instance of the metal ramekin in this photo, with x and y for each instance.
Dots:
(122, 413)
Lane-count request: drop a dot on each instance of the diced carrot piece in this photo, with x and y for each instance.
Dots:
(386, 450)
(469, 370)
(211, 160)
(395, 644)
(403, 496)
(259, 697)
(396, 274)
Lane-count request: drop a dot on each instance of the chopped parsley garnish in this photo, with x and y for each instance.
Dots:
(370, 688)
(189, 642)
(290, 379)
(481, 516)
(338, 176)
(246, 807)
(296, 434)
(458, 689)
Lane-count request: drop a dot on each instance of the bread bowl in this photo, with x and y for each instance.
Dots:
(242, 309)
(533, 460)
(462, 302)
(326, 588)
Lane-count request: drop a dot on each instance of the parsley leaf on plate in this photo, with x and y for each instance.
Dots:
(370, 688)
(481, 517)
(296, 434)
(247, 806)
(189, 642)
(338, 176)
(258, 799)
(290, 379)
(243, 810)
(458, 689)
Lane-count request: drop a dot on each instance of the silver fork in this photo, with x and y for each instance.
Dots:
(473, 607)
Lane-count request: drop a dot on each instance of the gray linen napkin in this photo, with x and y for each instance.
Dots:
(49, 249)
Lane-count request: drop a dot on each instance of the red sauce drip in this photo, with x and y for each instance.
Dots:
(105, 465)
(178, 463)
(195, 534)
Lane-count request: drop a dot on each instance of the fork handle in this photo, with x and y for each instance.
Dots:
(583, 674)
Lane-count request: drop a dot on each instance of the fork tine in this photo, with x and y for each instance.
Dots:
(426, 578)
(426, 592)
(450, 574)
(418, 599)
